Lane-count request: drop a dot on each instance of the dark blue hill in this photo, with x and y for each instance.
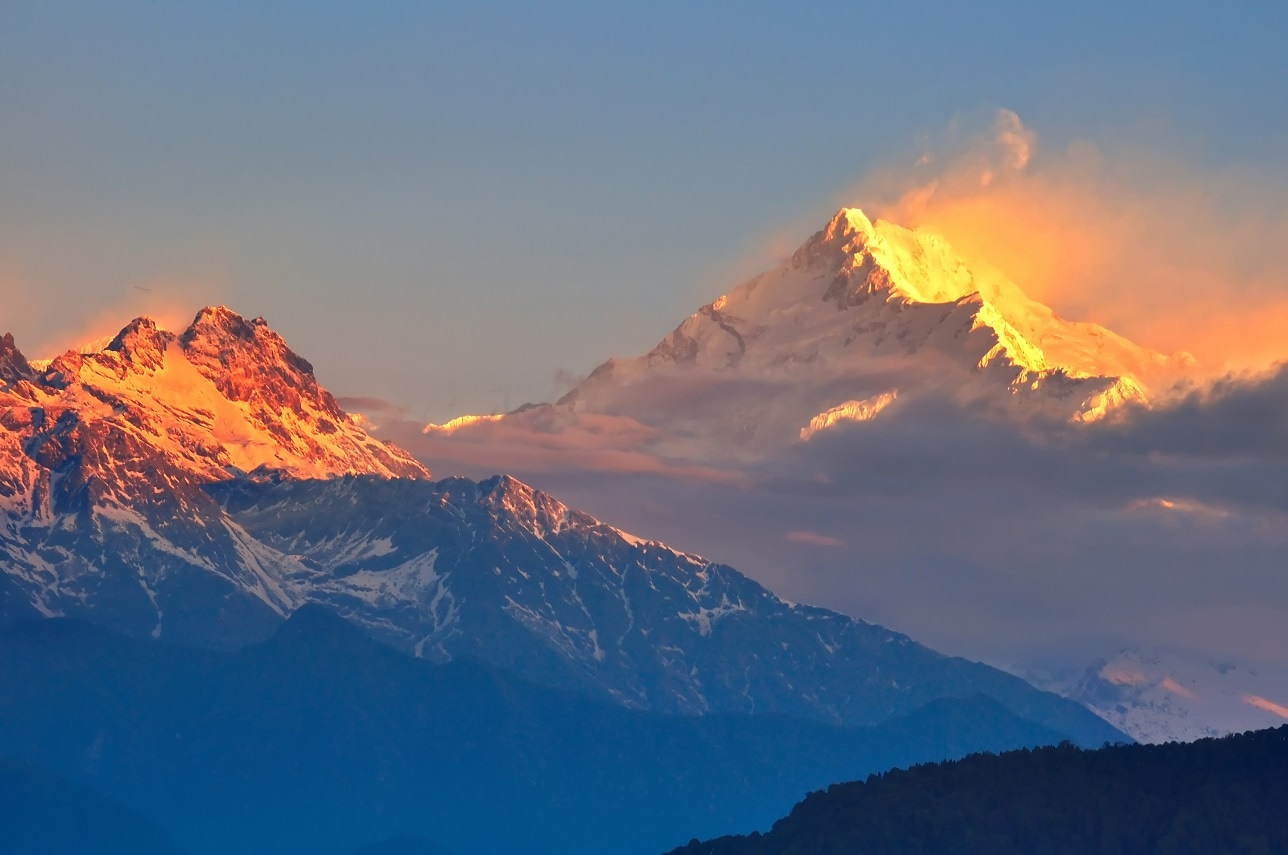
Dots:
(44, 814)
(322, 740)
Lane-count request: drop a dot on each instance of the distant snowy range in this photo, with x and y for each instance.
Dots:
(254, 619)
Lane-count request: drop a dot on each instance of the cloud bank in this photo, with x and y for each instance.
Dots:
(975, 532)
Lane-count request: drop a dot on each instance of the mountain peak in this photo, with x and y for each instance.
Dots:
(221, 324)
(141, 343)
(864, 293)
(533, 509)
(13, 365)
(225, 396)
(846, 223)
(249, 362)
(225, 318)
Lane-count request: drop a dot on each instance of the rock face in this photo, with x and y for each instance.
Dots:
(201, 487)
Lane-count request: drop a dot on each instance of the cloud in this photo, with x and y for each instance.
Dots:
(812, 538)
(371, 406)
(172, 301)
(16, 296)
(973, 531)
(1269, 706)
(1176, 688)
(544, 438)
(1235, 416)
(1173, 254)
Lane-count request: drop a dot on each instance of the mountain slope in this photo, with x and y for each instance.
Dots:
(44, 814)
(507, 574)
(320, 739)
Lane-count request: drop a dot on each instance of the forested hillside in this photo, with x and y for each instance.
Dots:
(1214, 795)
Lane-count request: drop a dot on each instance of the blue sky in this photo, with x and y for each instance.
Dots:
(444, 204)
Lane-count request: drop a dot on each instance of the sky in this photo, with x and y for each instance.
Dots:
(461, 207)
(458, 208)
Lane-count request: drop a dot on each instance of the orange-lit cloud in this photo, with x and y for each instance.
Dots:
(1269, 706)
(543, 439)
(1119, 677)
(1176, 688)
(17, 301)
(170, 301)
(1174, 256)
(812, 538)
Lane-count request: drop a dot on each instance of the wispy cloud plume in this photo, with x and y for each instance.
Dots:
(812, 538)
(171, 301)
(1269, 706)
(1174, 254)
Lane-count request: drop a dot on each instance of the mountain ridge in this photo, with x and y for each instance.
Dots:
(117, 508)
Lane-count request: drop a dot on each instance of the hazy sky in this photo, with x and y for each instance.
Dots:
(443, 205)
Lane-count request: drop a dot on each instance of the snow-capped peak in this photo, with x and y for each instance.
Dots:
(142, 343)
(225, 395)
(1164, 696)
(847, 223)
(860, 298)
(917, 266)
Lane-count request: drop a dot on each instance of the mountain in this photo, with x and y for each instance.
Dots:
(45, 814)
(104, 460)
(947, 364)
(199, 488)
(1215, 795)
(1163, 696)
(863, 313)
(321, 739)
(858, 289)
(502, 572)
